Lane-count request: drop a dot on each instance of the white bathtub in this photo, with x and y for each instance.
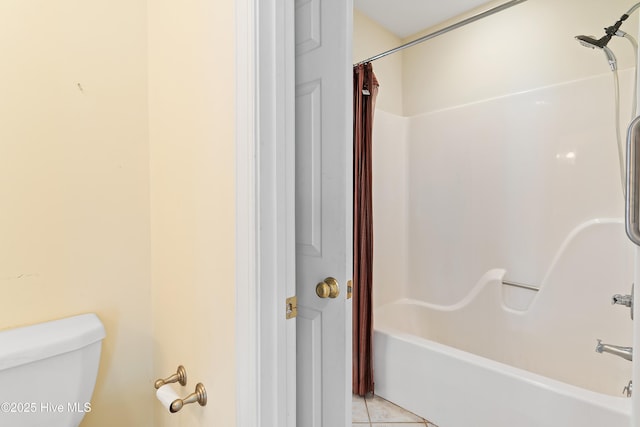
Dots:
(482, 363)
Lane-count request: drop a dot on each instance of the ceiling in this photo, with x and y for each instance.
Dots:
(407, 17)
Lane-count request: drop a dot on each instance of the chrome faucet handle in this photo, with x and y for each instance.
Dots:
(625, 300)
(622, 300)
(628, 389)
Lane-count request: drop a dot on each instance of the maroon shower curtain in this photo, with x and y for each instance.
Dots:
(365, 89)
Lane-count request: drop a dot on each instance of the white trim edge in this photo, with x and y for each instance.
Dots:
(265, 256)
(247, 355)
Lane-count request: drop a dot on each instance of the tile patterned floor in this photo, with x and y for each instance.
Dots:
(374, 411)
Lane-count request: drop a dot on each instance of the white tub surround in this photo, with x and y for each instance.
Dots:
(504, 366)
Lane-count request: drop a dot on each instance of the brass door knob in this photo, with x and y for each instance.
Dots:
(328, 288)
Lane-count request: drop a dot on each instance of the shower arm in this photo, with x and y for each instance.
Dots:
(633, 9)
(612, 30)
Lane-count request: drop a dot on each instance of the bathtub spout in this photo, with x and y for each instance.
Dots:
(624, 352)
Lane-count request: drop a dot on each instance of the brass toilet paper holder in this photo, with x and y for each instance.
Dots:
(200, 396)
(179, 377)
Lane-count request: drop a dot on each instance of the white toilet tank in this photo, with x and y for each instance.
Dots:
(48, 372)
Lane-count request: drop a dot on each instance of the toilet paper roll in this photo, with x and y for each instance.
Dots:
(166, 395)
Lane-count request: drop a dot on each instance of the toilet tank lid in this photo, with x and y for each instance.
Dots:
(27, 344)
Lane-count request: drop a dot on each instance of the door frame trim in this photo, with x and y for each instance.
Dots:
(265, 226)
(247, 356)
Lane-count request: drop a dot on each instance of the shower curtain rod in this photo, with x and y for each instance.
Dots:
(444, 30)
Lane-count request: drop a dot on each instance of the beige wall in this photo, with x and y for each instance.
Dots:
(389, 181)
(191, 105)
(116, 164)
(528, 46)
(370, 39)
(74, 183)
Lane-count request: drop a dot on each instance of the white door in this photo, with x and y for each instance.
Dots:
(323, 210)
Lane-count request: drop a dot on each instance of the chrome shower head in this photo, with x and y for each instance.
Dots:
(601, 43)
(593, 43)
